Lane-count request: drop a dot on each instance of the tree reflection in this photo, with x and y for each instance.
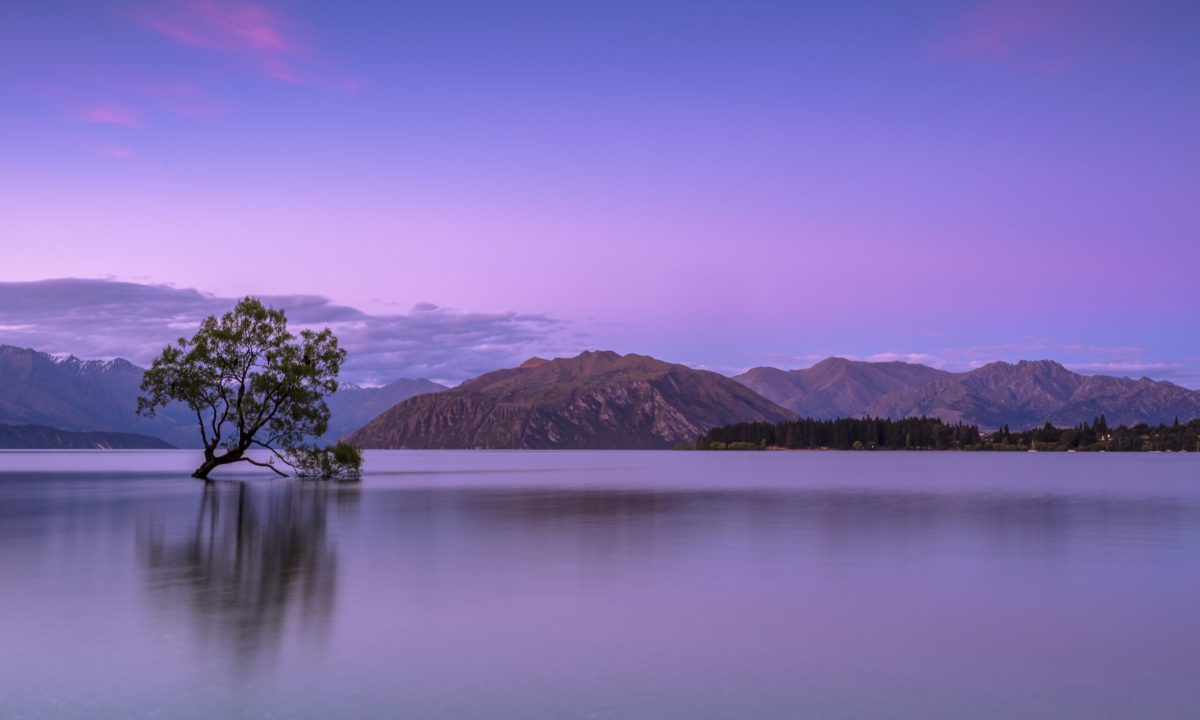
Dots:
(256, 569)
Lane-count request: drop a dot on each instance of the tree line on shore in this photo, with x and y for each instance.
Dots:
(923, 433)
(1097, 435)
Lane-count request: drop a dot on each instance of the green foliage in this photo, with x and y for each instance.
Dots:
(742, 446)
(341, 461)
(250, 382)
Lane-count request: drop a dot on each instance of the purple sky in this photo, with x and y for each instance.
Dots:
(723, 184)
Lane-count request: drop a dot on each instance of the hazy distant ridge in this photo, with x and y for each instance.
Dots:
(1020, 395)
(352, 406)
(83, 396)
(41, 437)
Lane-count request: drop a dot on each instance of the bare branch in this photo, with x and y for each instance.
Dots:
(203, 434)
(276, 470)
(275, 452)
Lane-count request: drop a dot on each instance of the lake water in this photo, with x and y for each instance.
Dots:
(604, 585)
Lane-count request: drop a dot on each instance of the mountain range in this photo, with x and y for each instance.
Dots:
(836, 387)
(593, 400)
(599, 399)
(70, 394)
(1021, 395)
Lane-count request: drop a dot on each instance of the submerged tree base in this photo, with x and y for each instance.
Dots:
(340, 461)
(213, 461)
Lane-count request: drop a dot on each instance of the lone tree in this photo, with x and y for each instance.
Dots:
(254, 386)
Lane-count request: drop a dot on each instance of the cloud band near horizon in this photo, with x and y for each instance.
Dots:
(103, 319)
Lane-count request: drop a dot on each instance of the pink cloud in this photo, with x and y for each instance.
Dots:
(250, 30)
(110, 114)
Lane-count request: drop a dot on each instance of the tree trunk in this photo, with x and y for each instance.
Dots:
(205, 468)
(212, 461)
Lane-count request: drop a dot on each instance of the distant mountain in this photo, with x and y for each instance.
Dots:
(40, 437)
(84, 396)
(352, 406)
(605, 400)
(92, 395)
(594, 400)
(1035, 392)
(1020, 395)
(837, 387)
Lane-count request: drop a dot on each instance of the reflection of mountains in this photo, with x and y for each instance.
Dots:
(257, 559)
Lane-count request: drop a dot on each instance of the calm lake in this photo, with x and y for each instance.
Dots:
(604, 585)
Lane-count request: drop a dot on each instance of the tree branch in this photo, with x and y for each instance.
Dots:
(203, 433)
(259, 423)
(275, 453)
(216, 429)
(276, 470)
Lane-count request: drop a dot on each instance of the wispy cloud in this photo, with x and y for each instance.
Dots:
(428, 341)
(110, 115)
(217, 41)
(259, 34)
(1043, 36)
(1158, 369)
(1000, 28)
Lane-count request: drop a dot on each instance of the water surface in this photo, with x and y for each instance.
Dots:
(604, 585)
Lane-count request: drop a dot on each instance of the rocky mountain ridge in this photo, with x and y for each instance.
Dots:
(598, 399)
(1022, 394)
(602, 399)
